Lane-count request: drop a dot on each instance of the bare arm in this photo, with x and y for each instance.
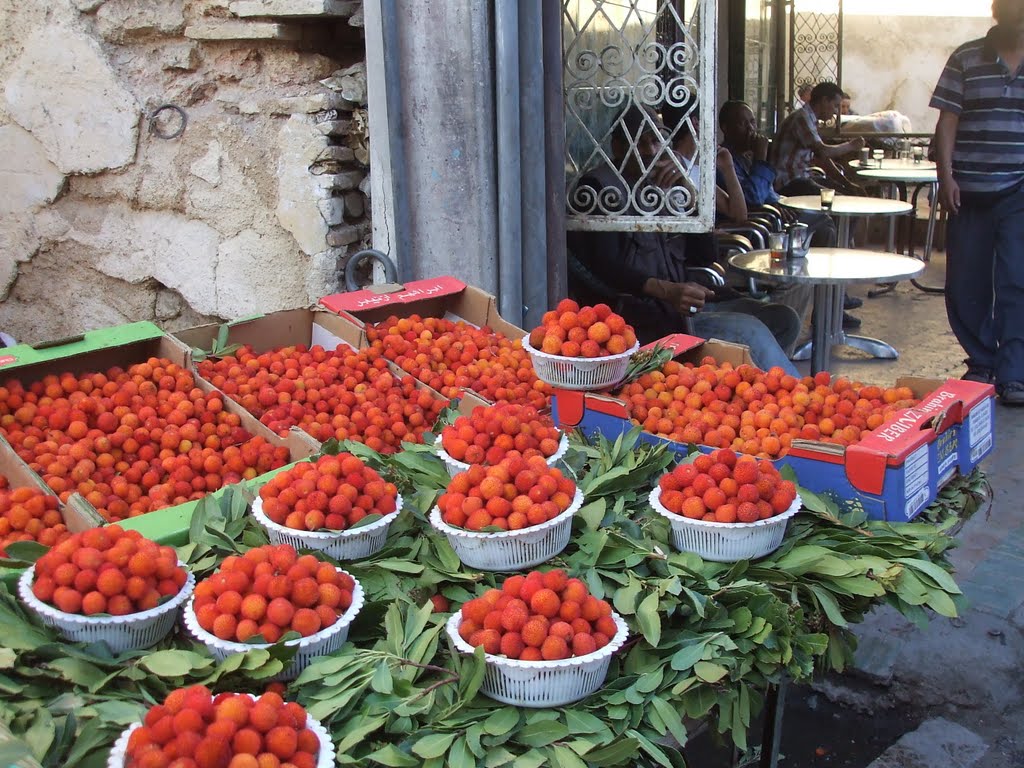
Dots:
(729, 201)
(832, 151)
(945, 138)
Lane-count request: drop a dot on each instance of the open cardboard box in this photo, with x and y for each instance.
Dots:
(436, 297)
(893, 473)
(123, 346)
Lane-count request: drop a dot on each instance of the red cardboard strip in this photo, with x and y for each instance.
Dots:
(417, 290)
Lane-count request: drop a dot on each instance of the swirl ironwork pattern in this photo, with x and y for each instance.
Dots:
(629, 54)
(816, 47)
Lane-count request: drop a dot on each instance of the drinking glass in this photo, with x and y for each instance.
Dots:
(778, 243)
(827, 196)
(918, 154)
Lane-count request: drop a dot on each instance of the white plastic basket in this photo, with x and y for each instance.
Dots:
(350, 544)
(455, 466)
(321, 643)
(726, 542)
(542, 683)
(121, 633)
(579, 372)
(324, 757)
(510, 550)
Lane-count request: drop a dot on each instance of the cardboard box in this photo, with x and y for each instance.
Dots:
(437, 297)
(123, 346)
(892, 473)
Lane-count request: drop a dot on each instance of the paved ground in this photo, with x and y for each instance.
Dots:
(951, 694)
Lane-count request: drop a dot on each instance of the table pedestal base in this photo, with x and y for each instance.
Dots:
(827, 332)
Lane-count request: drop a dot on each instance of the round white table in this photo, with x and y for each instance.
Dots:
(846, 206)
(892, 163)
(829, 270)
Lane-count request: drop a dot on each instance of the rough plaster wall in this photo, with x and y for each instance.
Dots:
(894, 62)
(102, 222)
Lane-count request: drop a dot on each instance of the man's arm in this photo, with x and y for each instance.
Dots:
(945, 138)
(730, 201)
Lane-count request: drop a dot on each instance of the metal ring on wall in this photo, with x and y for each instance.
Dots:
(369, 254)
(153, 129)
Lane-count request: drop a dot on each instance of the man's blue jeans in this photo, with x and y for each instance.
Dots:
(746, 329)
(985, 284)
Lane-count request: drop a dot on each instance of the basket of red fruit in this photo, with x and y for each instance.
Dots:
(581, 347)
(255, 599)
(322, 505)
(229, 729)
(513, 515)
(490, 433)
(110, 585)
(547, 641)
(725, 507)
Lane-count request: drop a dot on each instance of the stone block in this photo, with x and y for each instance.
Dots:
(345, 234)
(334, 127)
(293, 8)
(28, 179)
(332, 209)
(936, 742)
(297, 190)
(349, 82)
(336, 154)
(305, 105)
(236, 29)
(260, 273)
(355, 205)
(357, 19)
(207, 167)
(339, 181)
(87, 6)
(183, 56)
(123, 20)
(97, 120)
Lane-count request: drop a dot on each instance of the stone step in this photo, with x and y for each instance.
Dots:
(294, 8)
(937, 742)
(236, 29)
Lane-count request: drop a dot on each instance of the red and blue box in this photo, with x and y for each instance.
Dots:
(893, 473)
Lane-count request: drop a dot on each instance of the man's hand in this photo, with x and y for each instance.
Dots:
(667, 173)
(857, 144)
(759, 144)
(686, 298)
(949, 194)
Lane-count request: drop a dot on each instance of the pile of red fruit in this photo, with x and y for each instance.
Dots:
(131, 441)
(193, 728)
(334, 493)
(722, 487)
(269, 591)
(107, 571)
(542, 616)
(28, 514)
(754, 411)
(515, 493)
(452, 356)
(329, 394)
(574, 331)
(489, 434)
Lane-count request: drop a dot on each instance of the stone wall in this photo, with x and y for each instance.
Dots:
(252, 208)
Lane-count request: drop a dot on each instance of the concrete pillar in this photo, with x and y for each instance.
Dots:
(445, 93)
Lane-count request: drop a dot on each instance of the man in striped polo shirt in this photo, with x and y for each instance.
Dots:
(979, 143)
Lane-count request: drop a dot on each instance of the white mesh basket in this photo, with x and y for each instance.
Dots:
(121, 633)
(726, 542)
(542, 683)
(579, 372)
(350, 544)
(324, 757)
(321, 643)
(455, 466)
(510, 550)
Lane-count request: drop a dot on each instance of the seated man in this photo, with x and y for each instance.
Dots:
(798, 146)
(649, 269)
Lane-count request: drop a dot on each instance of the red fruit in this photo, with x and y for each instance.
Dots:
(545, 602)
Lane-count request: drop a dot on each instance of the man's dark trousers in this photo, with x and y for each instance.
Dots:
(985, 282)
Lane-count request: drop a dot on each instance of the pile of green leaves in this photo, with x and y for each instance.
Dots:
(706, 638)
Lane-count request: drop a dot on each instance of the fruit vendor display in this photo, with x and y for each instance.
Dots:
(333, 493)
(489, 434)
(270, 591)
(194, 728)
(722, 487)
(574, 331)
(107, 571)
(753, 411)
(513, 494)
(329, 394)
(29, 514)
(131, 441)
(451, 356)
(542, 616)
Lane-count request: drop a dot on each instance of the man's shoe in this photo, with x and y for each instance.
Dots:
(849, 321)
(852, 302)
(1012, 393)
(979, 374)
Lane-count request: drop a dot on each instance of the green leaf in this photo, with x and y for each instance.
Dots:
(392, 756)
(828, 605)
(433, 745)
(625, 598)
(564, 757)
(943, 580)
(615, 753)
(709, 672)
(399, 566)
(649, 619)
(502, 721)
(381, 681)
(39, 735)
(175, 663)
(542, 733)
(25, 551)
(583, 722)
(459, 755)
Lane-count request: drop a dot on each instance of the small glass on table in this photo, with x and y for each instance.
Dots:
(778, 244)
(827, 197)
(878, 155)
(918, 152)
